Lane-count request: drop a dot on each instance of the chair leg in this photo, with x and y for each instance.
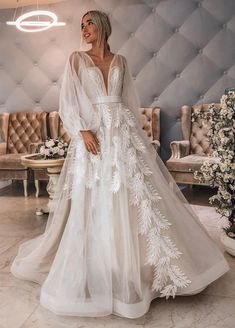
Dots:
(37, 186)
(25, 182)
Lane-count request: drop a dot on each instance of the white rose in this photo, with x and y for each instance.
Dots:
(55, 150)
(61, 152)
(50, 143)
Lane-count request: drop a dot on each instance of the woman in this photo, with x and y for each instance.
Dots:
(120, 232)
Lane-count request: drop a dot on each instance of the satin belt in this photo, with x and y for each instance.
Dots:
(106, 99)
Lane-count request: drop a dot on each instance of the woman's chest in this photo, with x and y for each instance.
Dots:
(103, 80)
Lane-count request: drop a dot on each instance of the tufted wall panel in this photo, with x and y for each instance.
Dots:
(179, 51)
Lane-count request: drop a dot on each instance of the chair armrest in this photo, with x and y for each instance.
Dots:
(156, 145)
(179, 149)
(3, 148)
(33, 147)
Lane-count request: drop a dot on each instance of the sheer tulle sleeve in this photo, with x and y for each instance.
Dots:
(75, 108)
(131, 100)
(129, 92)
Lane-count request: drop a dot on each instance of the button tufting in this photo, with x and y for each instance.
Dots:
(177, 75)
(35, 63)
(225, 72)
(153, 10)
(132, 34)
(176, 30)
(155, 98)
(201, 96)
(224, 25)
(200, 51)
(154, 54)
(199, 4)
(134, 77)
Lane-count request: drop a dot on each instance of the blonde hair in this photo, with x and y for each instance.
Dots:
(101, 20)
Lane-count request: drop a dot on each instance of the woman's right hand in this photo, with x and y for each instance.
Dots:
(91, 141)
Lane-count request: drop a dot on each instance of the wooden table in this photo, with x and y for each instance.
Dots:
(53, 167)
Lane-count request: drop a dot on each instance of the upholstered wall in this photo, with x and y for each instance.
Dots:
(179, 51)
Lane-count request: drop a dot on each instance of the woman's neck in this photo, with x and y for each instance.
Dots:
(99, 51)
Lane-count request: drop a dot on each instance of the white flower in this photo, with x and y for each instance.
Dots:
(223, 167)
(61, 152)
(46, 152)
(215, 166)
(227, 177)
(50, 143)
(55, 150)
(221, 133)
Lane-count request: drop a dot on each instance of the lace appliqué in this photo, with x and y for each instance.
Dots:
(116, 78)
(151, 222)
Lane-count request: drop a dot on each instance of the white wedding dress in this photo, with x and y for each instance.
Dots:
(120, 232)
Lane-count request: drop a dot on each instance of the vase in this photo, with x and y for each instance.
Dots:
(228, 242)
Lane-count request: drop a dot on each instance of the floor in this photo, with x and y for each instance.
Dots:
(19, 300)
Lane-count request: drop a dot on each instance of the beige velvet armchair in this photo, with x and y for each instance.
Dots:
(188, 155)
(20, 132)
(150, 122)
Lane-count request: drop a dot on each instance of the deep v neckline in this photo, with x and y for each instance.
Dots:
(97, 67)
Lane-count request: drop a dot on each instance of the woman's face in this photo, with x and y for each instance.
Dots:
(89, 29)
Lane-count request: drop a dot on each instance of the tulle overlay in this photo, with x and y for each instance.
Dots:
(120, 232)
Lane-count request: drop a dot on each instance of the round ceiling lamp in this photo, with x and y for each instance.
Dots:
(23, 23)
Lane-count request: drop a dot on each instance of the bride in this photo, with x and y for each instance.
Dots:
(120, 232)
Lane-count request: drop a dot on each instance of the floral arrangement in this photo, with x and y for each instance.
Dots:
(53, 148)
(220, 171)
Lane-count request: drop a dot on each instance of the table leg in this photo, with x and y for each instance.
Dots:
(53, 174)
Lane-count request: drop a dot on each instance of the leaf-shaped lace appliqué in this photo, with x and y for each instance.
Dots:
(161, 251)
(115, 79)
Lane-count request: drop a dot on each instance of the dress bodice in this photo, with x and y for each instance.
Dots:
(93, 80)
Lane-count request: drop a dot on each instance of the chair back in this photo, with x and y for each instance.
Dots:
(151, 122)
(56, 127)
(196, 132)
(20, 129)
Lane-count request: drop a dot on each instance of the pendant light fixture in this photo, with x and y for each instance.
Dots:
(35, 25)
